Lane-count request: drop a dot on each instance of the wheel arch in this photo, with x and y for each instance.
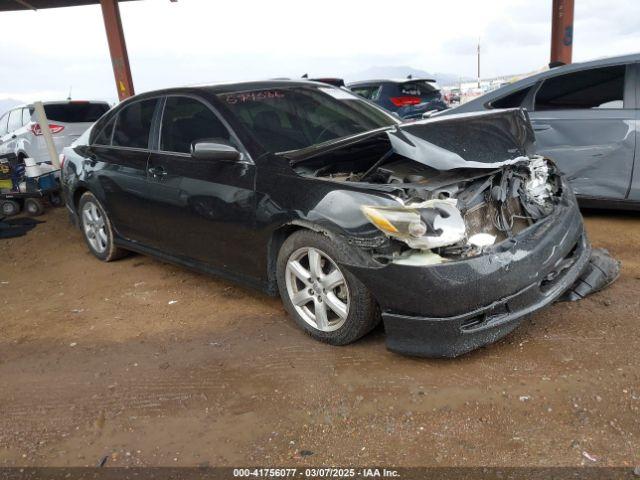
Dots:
(276, 240)
(77, 193)
(72, 200)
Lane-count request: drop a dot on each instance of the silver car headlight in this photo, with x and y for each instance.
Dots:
(423, 226)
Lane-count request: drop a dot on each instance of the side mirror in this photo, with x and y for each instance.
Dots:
(214, 149)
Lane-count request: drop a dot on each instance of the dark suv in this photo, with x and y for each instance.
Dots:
(410, 97)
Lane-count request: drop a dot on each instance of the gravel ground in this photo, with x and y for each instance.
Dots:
(150, 364)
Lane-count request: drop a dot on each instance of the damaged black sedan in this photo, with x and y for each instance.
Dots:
(448, 230)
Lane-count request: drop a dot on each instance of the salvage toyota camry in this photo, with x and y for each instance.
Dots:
(449, 230)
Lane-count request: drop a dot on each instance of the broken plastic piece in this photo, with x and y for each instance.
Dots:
(482, 240)
(420, 258)
(601, 271)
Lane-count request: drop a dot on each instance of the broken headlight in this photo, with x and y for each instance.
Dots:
(426, 225)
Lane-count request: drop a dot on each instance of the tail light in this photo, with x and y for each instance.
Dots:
(53, 128)
(405, 101)
(61, 159)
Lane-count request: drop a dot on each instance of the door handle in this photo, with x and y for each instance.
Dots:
(157, 171)
(540, 127)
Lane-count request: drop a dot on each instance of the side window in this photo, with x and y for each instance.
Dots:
(26, 116)
(104, 135)
(15, 120)
(133, 124)
(594, 88)
(3, 124)
(513, 100)
(186, 120)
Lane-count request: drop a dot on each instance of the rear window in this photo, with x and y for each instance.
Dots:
(75, 112)
(370, 92)
(419, 88)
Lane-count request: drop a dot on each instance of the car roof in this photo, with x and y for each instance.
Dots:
(227, 87)
(391, 80)
(572, 67)
(532, 79)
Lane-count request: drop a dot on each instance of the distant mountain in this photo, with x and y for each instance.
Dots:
(8, 103)
(401, 72)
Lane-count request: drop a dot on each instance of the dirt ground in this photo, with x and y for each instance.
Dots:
(151, 364)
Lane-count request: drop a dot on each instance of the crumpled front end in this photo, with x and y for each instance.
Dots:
(450, 307)
(479, 232)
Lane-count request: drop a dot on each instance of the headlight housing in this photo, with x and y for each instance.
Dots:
(423, 226)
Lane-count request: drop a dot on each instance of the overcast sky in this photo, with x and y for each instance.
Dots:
(44, 53)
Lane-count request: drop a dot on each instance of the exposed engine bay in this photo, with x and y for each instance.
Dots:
(457, 219)
(453, 201)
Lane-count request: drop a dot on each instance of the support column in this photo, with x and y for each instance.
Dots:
(561, 31)
(117, 48)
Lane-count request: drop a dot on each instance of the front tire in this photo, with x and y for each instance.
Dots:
(326, 301)
(97, 230)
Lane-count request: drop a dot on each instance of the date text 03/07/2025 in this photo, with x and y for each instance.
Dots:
(315, 472)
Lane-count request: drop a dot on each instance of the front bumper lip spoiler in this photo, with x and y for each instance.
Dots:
(601, 272)
(453, 336)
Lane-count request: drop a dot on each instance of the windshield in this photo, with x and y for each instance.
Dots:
(291, 118)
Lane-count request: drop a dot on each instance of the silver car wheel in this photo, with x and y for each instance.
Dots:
(317, 289)
(94, 227)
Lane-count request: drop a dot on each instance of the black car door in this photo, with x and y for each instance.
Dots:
(120, 152)
(585, 121)
(204, 209)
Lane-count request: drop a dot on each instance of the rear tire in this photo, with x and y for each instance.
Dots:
(97, 229)
(325, 300)
(33, 207)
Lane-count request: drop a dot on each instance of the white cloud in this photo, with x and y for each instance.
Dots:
(195, 41)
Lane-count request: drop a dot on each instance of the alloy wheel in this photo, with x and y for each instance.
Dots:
(317, 289)
(94, 227)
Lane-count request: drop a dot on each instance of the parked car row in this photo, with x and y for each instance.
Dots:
(352, 216)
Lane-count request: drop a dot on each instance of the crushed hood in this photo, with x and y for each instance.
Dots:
(483, 140)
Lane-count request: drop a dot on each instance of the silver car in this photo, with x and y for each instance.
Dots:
(20, 132)
(586, 118)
